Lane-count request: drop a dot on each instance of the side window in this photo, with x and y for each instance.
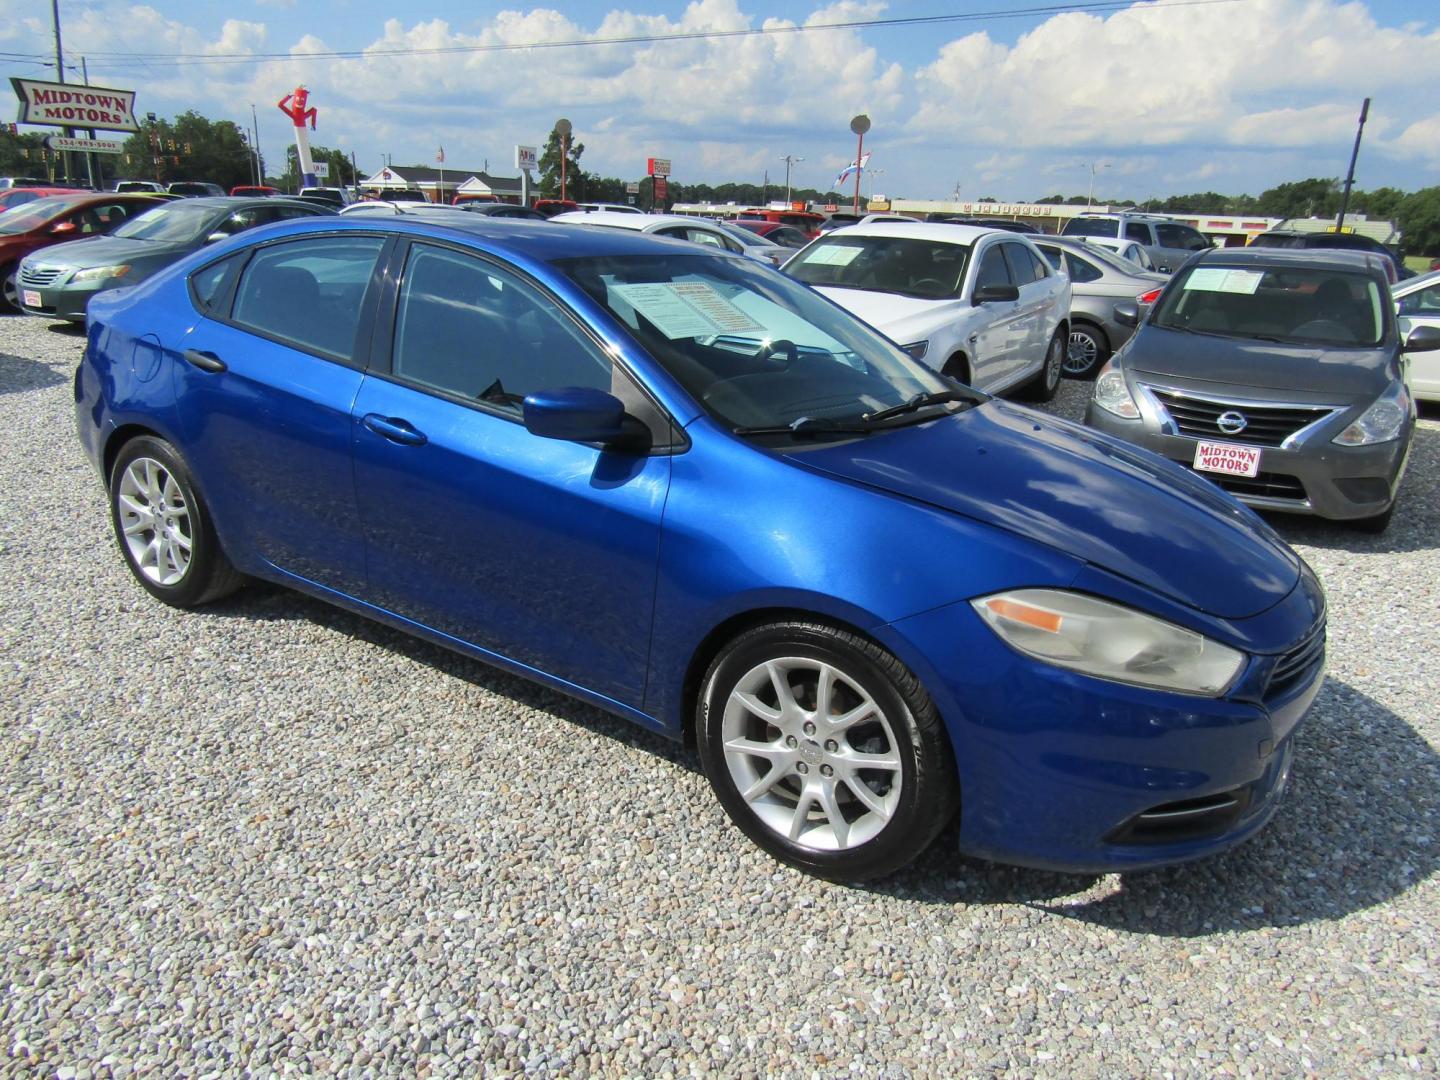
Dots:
(1022, 268)
(286, 213)
(207, 285)
(1081, 271)
(112, 215)
(1181, 236)
(1422, 302)
(702, 236)
(474, 330)
(309, 293)
(1052, 256)
(239, 221)
(1137, 231)
(993, 270)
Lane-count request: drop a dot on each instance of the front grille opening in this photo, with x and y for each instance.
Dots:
(1265, 425)
(1265, 485)
(1297, 663)
(1188, 819)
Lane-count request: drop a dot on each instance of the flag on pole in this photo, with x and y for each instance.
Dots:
(440, 155)
(850, 170)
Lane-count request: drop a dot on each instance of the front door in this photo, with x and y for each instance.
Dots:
(540, 550)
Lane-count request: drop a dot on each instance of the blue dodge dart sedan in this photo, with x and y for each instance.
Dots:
(691, 491)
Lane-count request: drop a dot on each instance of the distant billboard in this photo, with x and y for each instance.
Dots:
(68, 105)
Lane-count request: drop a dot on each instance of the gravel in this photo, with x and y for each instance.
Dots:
(274, 839)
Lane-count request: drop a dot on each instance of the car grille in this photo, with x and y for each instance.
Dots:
(1265, 425)
(1296, 663)
(1263, 485)
(40, 276)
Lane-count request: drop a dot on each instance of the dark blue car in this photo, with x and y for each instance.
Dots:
(693, 492)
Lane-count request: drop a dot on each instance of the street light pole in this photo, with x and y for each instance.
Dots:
(1094, 165)
(68, 132)
(789, 160)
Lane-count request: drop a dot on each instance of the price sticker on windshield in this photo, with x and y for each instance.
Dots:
(1217, 279)
(833, 255)
(681, 309)
(1229, 459)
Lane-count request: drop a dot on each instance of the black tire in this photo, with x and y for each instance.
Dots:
(1047, 380)
(1086, 352)
(958, 368)
(207, 575)
(1374, 525)
(10, 289)
(901, 729)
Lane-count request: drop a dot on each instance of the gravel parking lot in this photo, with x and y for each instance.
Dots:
(272, 838)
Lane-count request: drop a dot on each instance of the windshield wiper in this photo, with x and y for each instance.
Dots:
(808, 425)
(920, 401)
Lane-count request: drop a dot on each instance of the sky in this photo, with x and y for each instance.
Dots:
(1154, 98)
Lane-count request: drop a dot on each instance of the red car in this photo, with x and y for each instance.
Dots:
(551, 207)
(253, 189)
(803, 220)
(20, 196)
(55, 219)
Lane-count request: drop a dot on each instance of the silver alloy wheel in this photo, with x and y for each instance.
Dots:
(155, 521)
(1082, 354)
(811, 753)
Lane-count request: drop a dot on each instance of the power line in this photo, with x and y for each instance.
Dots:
(121, 60)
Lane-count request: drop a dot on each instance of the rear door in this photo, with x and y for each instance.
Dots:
(265, 392)
(1174, 243)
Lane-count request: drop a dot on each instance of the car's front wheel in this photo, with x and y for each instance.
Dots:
(163, 527)
(825, 750)
(10, 287)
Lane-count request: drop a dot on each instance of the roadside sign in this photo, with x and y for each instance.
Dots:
(527, 157)
(322, 170)
(632, 187)
(86, 146)
(68, 105)
(662, 189)
(657, 166)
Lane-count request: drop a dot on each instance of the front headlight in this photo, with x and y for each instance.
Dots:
(1381, 422)
(917, 349)
(1112, 395)
(1109, 641)
(99, 273)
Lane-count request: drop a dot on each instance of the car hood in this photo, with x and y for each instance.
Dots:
(1243, 365)
(106, 251)
(893, 315)
(1083, 493)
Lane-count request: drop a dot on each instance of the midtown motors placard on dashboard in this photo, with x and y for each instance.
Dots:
(68, 105)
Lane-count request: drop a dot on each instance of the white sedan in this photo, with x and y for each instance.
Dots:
(980, 305)
(695, 230)
(1417, 303)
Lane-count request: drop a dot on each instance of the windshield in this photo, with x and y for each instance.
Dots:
(28, 215)
(1087, 226)
(744, 236)
(173, 222)
(1297, 304)
(910, 266)
(754, 348)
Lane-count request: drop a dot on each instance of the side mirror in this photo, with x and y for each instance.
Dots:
(995, 294)
(575, 414)
(216, 237)
(1422, 339)
(61, 228)
(1126, 314)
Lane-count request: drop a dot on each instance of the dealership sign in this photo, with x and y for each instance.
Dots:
(86, 146)
(68, 105)
(526, 157)
(657, 166)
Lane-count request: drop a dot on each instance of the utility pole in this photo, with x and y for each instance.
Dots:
(1350, 175)
(789, 161)
(255, 144)
(89, 154)
(68, 132)
(1094, 165)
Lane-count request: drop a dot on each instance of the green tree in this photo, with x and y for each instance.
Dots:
(1382, 203)
(190, 147)
(575, 179)
(340, 169)
(26, 155)
(1302, 198)
(1419, 220)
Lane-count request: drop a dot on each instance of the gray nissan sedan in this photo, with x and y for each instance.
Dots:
(1275, 374)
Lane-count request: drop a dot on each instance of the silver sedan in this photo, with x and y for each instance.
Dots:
(1099, 280)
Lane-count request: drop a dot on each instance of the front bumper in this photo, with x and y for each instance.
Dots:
(1064, 771)
(58, 301)
(1318, 476)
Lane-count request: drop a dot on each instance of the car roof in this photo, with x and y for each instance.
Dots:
(944, 232)
(1331, 258)
(622, 220)
(1418, 282)
(540, 241)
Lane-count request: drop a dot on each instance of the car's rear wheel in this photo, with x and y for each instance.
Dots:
(163, 527)
(1087, 351)
(1047, 380)
(825, 750)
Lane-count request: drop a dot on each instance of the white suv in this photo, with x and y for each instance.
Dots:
(981, 305)
(1168, 242)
